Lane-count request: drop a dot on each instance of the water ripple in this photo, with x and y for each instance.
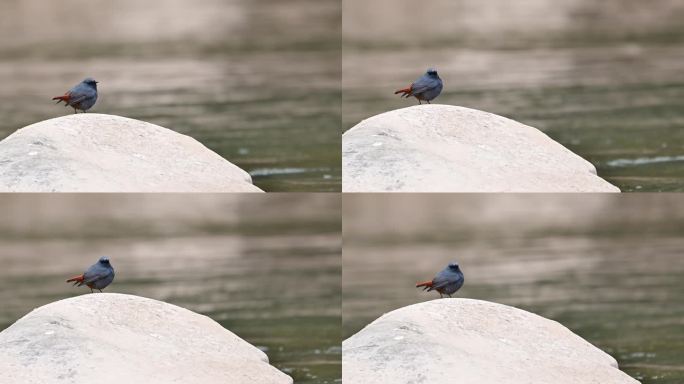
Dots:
(617, 163)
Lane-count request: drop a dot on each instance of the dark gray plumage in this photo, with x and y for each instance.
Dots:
(97, 276)
(446, 282)
(81, 97)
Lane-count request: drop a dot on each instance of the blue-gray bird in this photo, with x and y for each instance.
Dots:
(426, 88)
(82, 97)
(447, 282)
(98, 276)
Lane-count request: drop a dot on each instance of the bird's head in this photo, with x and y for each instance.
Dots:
(104, 260)
(89, 81)
(454, 266)
(432, 72)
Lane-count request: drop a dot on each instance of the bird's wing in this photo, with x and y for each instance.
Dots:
(80, 93)
(76, 98)
(423, 84)
(442, 279)
(94, 274)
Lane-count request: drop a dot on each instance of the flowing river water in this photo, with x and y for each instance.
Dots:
(257, 81)
(268, 268)
(603, 78)
(610, 268)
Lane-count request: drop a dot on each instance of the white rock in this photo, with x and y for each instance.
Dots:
(442, 148)
(104, 153)
(113, 338)
(470, 341)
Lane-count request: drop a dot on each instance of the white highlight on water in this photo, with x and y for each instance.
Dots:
(644, 161)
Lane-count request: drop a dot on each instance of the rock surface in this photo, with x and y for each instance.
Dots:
(113, 338)
(442, 148)
(105, 153)
(470, 341)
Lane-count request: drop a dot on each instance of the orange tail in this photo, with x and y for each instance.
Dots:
(64, 98)
(76, 279)
(405, 92)
(425, 285)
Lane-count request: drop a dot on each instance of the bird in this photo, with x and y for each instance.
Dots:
(426, 88)
(81, 97)
(97, 276)
(446, 282)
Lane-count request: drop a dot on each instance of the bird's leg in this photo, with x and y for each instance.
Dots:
(75, 111)
(428, 101)
(100, 290)
(440, 295)
(91, 290)
(419, 102)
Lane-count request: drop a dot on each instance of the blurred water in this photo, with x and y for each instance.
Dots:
(603, 78)
(610, 268)
(266, 267)
(257, 81)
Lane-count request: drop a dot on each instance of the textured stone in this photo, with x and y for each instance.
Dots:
(113, 338)
(442, 148)
(104, 153)
(472, 342)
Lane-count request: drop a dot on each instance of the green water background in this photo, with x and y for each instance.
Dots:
(257, 81)
(603, 78)
(268, 268)
(610, 268)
